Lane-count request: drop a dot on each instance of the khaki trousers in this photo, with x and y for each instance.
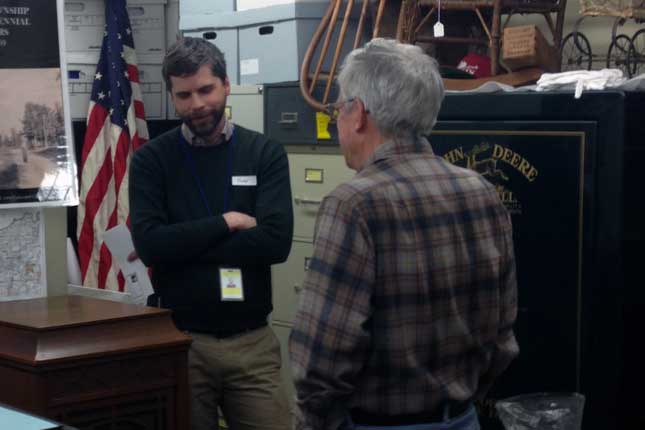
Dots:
(241, 375)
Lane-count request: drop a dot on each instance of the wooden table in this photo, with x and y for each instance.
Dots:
(94, 363)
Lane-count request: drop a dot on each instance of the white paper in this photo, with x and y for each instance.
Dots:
(137, 283)
(250, 66)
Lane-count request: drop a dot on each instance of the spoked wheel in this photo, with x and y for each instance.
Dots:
(576, 52)
(620, 54)
(638, 58)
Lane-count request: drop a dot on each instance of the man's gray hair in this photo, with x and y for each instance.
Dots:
(186, 56)
(399, 85)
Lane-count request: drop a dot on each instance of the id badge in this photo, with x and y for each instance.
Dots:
(231, 287)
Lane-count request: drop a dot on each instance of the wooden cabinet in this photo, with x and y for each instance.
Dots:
(94, 364)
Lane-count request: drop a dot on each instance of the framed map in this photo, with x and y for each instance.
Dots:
(22, 254)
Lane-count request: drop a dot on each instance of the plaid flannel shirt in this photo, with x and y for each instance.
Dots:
(410, 296)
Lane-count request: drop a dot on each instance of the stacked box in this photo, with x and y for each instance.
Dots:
(226, 39)
(205, 7)
(256, 4)
(85, 22)
(84, 30)
(172, 22)
(153, 89)
(268, 44)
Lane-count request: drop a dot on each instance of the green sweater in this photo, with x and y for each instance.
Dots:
(174, 234)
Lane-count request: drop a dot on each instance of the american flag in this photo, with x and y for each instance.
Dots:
(116, 127)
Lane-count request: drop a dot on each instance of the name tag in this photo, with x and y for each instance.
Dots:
(245, 181)
(231, 287)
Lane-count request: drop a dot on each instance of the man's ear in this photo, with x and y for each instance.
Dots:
(227, 86)
(361, 120)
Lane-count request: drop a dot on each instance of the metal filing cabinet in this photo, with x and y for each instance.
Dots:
(316, 167)
(287, 281)
(290, 120)
(315, 172)
(244, 105)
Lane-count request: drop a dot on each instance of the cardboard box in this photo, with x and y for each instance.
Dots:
(153, 89)
(226, 39)
(525, 46)
(172, 22)
(85, 25)
(257, 4)
(290, 27)
(205, 7)
(249, 39)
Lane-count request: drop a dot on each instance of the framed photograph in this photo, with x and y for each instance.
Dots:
(37, 166)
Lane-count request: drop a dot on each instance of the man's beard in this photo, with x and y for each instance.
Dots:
(204, 128)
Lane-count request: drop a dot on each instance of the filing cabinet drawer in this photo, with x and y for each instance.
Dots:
(290, 120)
(287, 281)
(313, 176)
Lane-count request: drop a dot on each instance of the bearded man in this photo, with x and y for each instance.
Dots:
(210, 206)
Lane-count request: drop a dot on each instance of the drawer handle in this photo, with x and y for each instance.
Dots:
(288, 119)
(306, 201)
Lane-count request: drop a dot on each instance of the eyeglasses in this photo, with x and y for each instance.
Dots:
(333, 109)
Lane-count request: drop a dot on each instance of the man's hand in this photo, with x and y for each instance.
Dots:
(239, 221)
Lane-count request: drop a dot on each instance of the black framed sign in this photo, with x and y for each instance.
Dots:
(568, 226)
(543, 173)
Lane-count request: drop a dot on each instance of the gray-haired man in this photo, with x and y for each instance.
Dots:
(410, 298)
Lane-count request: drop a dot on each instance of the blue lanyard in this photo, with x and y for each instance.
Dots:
(193, 167)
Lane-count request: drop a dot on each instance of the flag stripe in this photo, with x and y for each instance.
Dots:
(95, 123)
(138, 108)
(92, 203)
(116, 127)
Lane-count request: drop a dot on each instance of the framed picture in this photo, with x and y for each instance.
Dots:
(37, 166)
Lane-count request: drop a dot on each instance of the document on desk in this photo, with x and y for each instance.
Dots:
(137, 283)
(16, 420)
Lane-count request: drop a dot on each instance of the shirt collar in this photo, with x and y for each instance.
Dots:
(399, 146)
(225, 136)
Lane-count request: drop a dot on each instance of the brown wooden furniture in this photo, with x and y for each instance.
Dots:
(489, 14)
(411, 21)
(94, 364)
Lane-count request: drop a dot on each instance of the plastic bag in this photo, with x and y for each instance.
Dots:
(542, 411)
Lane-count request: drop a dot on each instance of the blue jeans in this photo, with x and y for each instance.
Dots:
(466, 421)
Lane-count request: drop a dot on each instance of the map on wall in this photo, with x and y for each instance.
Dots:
(22, 265)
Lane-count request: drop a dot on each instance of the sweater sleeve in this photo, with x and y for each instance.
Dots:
(156, 240)
(270, 241)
